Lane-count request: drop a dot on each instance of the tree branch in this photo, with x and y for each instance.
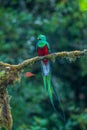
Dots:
(72, 54)
(11, 72)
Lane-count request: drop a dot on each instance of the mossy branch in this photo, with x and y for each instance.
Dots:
(64, 54)
(11, 73)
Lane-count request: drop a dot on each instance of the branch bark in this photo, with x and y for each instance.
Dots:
(69, 55)
(11, 72)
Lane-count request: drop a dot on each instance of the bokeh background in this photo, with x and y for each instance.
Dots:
(65, 25)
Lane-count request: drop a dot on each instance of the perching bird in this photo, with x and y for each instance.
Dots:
(43, 48)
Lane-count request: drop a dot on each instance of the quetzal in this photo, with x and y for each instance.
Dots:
(43, 48)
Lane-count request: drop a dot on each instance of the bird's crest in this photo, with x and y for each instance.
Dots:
(41, 37)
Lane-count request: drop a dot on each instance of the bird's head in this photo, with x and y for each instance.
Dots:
(41, 37)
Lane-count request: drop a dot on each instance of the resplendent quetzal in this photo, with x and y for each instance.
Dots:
(43, 48)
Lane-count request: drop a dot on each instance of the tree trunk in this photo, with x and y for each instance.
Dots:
(5, 112)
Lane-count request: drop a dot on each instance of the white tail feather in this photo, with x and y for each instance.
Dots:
(45, 68)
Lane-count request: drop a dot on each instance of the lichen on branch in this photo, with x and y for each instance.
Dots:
(12, 72)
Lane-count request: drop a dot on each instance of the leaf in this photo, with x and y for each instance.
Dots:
(83, 5)
(29, 74)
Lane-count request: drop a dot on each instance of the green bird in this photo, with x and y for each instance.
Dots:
(43, 48)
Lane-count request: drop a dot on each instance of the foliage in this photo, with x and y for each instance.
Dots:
(65, 27)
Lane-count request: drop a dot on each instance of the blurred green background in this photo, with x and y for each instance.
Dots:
(65, 26)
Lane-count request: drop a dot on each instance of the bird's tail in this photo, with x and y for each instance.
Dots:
(47, 82)
(59, 100)
(50, 87)
(45, 73)
(50, 90)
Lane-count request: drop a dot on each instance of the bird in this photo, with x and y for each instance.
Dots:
(43, 49)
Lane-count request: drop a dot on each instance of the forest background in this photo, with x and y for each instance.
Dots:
(65, 26)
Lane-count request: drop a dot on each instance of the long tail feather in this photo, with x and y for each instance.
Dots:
(45, 72)
(49, 86)
(50, 91)
(59, 100)
(45, 83)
